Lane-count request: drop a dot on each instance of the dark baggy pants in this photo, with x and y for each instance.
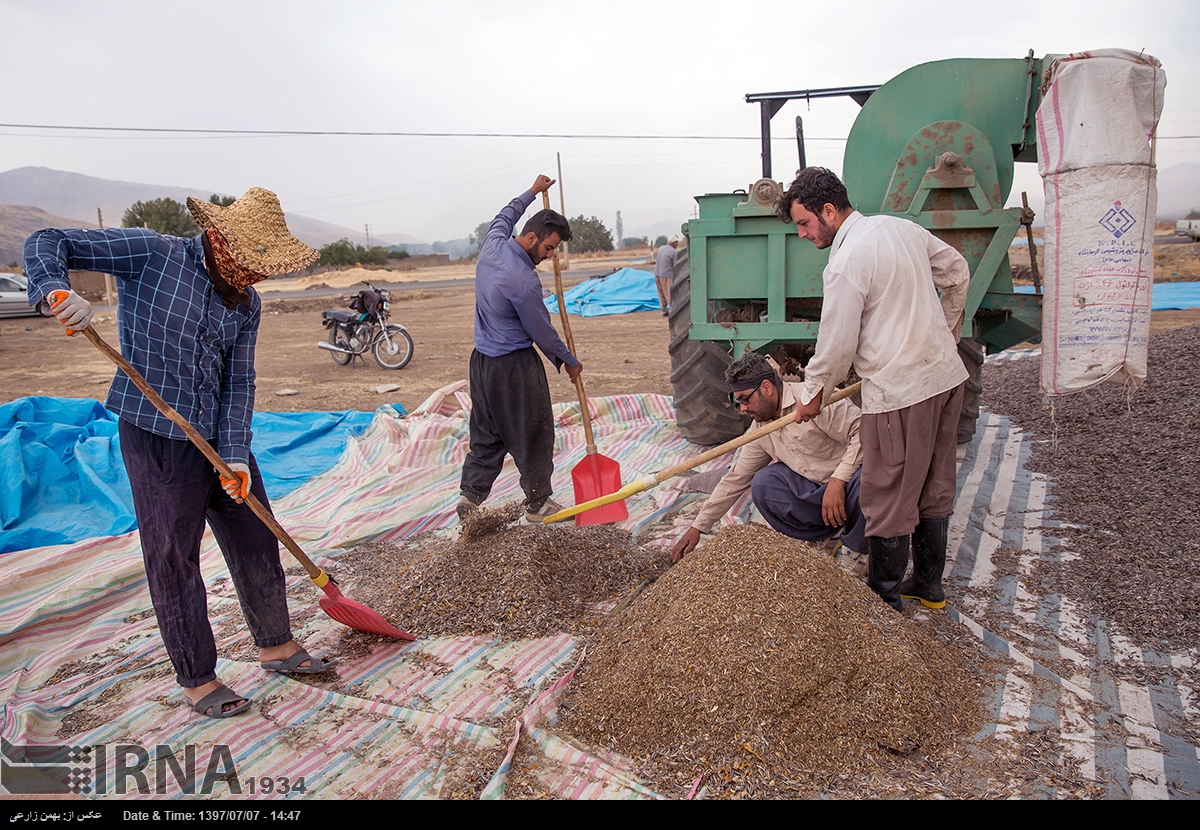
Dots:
(510, 413)
(791, 504)
(908, 464)
(175, 490)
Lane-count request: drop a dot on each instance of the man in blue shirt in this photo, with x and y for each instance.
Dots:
(188, 321)
(510, 397)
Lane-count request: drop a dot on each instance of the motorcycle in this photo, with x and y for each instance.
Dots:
(364, 327)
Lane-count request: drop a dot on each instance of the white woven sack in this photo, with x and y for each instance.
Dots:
(1094, 128)
(1100, 107)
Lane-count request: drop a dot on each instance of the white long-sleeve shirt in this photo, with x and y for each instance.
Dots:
(882, 314)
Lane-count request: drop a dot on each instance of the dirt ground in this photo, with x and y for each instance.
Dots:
(621, 354)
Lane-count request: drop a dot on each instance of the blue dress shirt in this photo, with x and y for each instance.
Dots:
(509, 312)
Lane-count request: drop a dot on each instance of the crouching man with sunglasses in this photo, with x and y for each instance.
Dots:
(803, 478)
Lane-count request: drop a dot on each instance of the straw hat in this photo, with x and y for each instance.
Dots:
(256, 233)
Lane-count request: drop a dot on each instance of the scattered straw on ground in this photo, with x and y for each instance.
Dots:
(484, 521)
(758, 661)
(1124, 473)
(524, 581)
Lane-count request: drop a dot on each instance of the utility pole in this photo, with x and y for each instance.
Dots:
(109, 287)
(367, 228)
(562, 208)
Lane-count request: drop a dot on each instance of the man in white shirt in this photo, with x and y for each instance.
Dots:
(882, 314)
(804, 478)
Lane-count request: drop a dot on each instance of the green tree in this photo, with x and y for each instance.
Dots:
(589, 235)
(338, 254)
(223, 201)
(344, 253)
(377, 255)
(163, 215)
(662, 240)
(476, 238)
(1193, 214)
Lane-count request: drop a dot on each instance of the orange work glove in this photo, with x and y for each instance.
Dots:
(238, 486)
(72, 311)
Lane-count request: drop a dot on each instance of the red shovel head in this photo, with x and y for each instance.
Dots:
(595, 476)
(356, 615)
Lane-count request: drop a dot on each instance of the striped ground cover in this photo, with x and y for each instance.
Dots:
(81, 663)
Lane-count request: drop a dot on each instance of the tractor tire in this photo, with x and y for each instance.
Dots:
(703, 413)
(972, 357)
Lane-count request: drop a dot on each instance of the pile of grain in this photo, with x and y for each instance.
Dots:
(1127, 473)
(524, 581)
(758, 661)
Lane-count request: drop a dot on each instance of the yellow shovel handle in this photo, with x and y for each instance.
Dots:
(647, 482)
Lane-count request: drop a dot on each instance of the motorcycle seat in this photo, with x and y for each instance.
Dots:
(338, 316)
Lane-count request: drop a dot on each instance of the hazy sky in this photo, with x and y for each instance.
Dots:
(646, 68)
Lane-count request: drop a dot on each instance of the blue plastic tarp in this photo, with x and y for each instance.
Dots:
(621, 292)
(63, 479)
(1166, 295)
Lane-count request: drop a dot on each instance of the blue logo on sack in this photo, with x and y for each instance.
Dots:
(1118, 220)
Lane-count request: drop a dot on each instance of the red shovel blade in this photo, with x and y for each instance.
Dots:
(356, 615)
(595, 476)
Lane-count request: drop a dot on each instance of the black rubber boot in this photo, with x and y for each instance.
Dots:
(929, 561)
(887, 559)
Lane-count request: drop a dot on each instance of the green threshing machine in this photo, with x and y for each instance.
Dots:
(936, 144)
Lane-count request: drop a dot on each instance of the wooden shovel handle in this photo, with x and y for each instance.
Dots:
(562, 313)
(212, 455)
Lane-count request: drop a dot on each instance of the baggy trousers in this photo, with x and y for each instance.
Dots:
(663, 284)
(175, 490)
(510, 413)
(791, 504)
(908, 464)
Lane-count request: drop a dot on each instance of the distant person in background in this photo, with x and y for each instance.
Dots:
(188, 323)
(664, 272)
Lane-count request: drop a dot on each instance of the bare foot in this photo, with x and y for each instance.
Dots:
(283, 652)
(195, 694)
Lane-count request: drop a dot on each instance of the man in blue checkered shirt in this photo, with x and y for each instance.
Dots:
(188, 322)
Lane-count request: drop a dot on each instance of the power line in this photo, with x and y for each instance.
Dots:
(374, 133)
(189, 132)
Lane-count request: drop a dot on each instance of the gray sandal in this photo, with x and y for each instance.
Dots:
(212, 705)
(292, 664)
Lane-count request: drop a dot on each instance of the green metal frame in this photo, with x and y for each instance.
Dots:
(937, 145)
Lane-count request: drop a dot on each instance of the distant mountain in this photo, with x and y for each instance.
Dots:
(18, 221)
(76, 195)
(1178, 190)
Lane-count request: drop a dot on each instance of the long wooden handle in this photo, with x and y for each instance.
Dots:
(589, 438)
(642, 484)
(742, 440)
(314, 573)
